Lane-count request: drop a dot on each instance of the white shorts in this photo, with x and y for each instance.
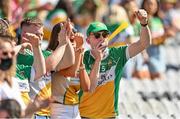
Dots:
(60, 111)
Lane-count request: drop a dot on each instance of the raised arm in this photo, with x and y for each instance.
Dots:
(55, 59)
(21, 47)
(78, 65)
(56, 56)
(68, 59)
(89, 82)
(94, 74)
(39, 61)
(145, 35)
(85, 82)
(72, 71)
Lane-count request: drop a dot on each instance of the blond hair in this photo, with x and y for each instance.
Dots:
(12, 71)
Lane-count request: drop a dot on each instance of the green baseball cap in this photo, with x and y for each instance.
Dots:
(95, 27)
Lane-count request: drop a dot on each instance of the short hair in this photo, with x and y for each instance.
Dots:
(12, 107)
(32, 21)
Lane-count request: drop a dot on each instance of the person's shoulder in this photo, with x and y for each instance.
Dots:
(25, 55)
(114, 49)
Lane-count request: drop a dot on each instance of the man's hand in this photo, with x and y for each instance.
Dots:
(141, 14)
(33, 39)
(98, 51)
(26, 46)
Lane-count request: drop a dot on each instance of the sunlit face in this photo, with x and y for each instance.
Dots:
(95, 38)
(151, 6)
(32, 29)
(6, 50)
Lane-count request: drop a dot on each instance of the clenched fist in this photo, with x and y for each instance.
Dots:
(141, 14)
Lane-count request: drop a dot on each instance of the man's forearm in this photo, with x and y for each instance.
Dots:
(39, 62)
(143, 43)
(145, 37)
(94, 75)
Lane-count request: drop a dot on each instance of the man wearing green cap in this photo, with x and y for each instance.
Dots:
(102, 102)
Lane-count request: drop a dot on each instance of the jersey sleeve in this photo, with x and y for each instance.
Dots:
(87, 60)
(46, 53)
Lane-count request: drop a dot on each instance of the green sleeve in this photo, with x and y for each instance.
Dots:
(120, 57)
(88, 61)
(46, 53)
(119, 54)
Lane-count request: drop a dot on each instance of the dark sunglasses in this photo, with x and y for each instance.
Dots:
(104, 34)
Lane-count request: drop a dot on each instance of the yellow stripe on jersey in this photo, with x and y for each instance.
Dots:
(44, 94)
(93, 105)
(25, 97)
(71, 96)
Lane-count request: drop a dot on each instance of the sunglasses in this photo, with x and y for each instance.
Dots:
(104, 34)
(5, 53)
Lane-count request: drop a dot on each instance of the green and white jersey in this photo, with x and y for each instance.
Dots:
(23, 68)
(36, 88)
(65, 89)
(103, 102)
